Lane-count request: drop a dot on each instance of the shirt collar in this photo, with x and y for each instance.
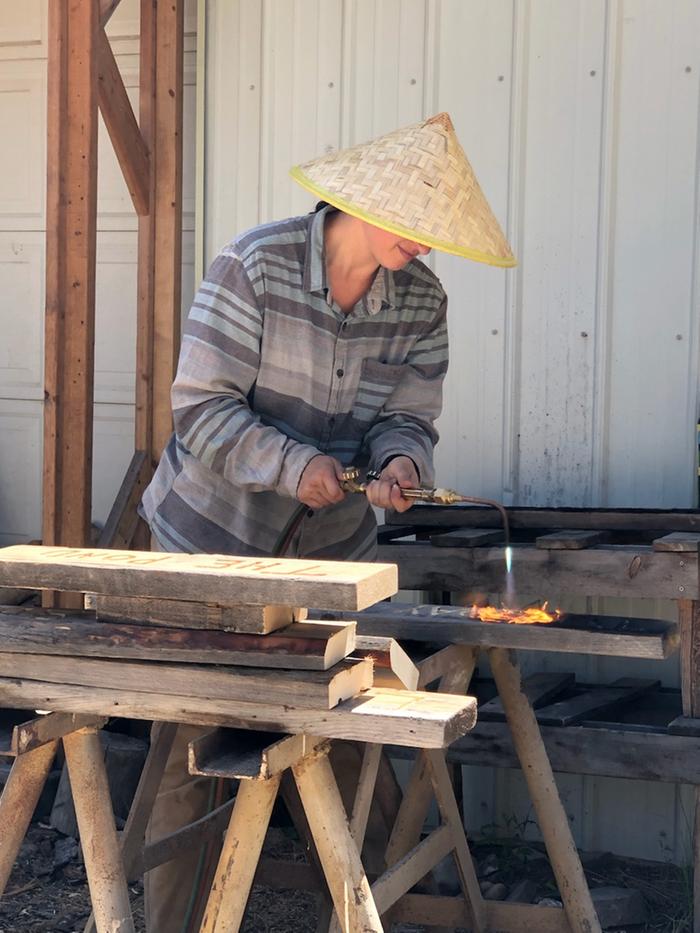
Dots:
(382, 291)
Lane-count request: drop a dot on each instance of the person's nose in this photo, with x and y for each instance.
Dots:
(423, 250)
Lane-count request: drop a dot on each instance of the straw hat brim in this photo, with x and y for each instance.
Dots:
(416, 183)
(298, 175)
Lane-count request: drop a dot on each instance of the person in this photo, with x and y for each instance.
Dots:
(313, 344)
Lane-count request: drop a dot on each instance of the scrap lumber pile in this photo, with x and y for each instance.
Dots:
(214, 639)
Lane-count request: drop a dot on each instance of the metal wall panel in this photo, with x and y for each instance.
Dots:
(574, 377)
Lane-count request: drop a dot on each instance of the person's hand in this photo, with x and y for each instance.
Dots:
(385, 492)
(320, 482)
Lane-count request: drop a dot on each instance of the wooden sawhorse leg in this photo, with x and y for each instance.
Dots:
(32, 743)
(307, 757)
(98, 835)
(19, 798)
(537, 770)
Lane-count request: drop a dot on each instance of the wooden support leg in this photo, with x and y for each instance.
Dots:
(689, 619)
(132, 837)
(551, 816)
(98, 835)
(419, 791)
(239, 856)
(343, 869)
(363, 801)
(19, 798)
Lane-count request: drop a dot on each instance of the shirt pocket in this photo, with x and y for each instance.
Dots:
(376, 385)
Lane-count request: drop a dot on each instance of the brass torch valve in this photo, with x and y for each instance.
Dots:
(350, 483)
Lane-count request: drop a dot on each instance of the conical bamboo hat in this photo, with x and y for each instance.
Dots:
(415, 182)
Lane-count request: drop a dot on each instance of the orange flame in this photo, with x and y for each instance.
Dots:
(515, 616)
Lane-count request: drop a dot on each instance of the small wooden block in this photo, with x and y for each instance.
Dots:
(226, 580)
(389, 658)
(571, 540)
(242, 754)
(468, 537)
(678, 541)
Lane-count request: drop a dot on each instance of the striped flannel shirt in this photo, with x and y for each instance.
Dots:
(272, 373)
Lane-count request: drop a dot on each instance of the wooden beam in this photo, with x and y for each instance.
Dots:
(436, 516)
(70, 272)
(617, 753)
(247, 755)
(143, 415)
(631, 572)
(315, 690)
(120, 526)
(128, 143)
(418, 720)
(225, 580)
(167, 209)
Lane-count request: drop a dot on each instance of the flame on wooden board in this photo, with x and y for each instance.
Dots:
(532, 616)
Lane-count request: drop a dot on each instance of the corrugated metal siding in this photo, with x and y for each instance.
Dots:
(575, 377)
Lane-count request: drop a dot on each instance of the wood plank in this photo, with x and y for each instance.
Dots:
(71, 219)
(419, 720)
(467, 537)
(539, 688)
(226, 580)
(182, 613)
(409, 870)
(388, 655)
(677, 541)
(595, 701)
(122, 520)
(578, 634)
(436, 516)
(246, 755)
(619, 753)
(307, 689)
(571, 539)
(301, 646)
(609, 570)
(127, 141)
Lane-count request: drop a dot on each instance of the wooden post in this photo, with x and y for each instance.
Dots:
(98, 835)
(689, 621)
(551, 816)
(71, 222)
(18, 800)
(166, 200)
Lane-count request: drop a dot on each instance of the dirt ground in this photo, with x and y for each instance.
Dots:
(47, 892)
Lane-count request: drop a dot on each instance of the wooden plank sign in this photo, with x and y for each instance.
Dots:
(215, 578)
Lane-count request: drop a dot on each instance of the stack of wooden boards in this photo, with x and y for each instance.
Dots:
(210, 638)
